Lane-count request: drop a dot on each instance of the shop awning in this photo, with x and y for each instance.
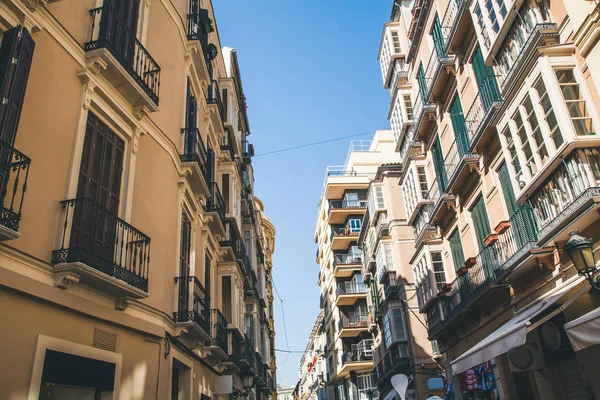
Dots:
(513, 333)
(583, 331)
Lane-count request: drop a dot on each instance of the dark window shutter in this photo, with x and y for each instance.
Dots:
(422, 83)
(438, 37)
(458, 256)
(16, 91)
(438, 163)
(507, 190)
(460, 127)
(481, 222)
(7, 50)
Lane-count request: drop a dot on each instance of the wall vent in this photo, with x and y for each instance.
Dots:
(105, 340)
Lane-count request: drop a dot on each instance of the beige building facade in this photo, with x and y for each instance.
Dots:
(135, 261)
(494, 109)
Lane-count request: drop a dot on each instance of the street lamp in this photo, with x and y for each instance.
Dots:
(248, 384)
(581, 252)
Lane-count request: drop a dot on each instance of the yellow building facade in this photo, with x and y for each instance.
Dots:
(132, 244)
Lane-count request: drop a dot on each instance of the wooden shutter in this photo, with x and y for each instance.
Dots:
(438, 163)
(118, 26)
(422, 83)
(458, 256)
(10, 40)
(399, 330)
(507, 189)
(184, 262)
(207, 277)
(15, 76)
(190, 121)
(481, 222)
(438, 37)
(460, 127)
(486, 80)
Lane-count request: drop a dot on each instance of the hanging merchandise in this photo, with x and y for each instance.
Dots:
(479, 382)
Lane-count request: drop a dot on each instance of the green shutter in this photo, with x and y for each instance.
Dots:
(438, 38)
(438, 163)
(481, 222)
(458, 256)
(486, 80)
(422, 82)
(460, 127)
(507, 189)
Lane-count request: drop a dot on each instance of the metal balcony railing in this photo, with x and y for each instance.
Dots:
(235, 347)
(342, 230)
(353, 320)
(452, 159)
(572, 183)
(485, 103)
(198, 27)
(214, 97)
(358, 352)
(450, 18)
(351, 288)
(195, 151)
(521, 233)
(219, 331)
(215, 202)
(192, 305)
(96, 237)
(14, 171)
(433, 70)
(347, 204)
(346, 259)
(112, 32)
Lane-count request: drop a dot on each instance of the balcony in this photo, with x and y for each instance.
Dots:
(422, 228)
(414, 197)
(389, 51)
(382, 226)
(215, 208)
(399, 75)
(423, 112)
(455, 24)
(339, 210)
(440, 69)
(352, 324)
(245, 266)
(342, 237)
(192, 312)
(530, 30)
(217, 347)
(195, 157)
(459, 164)
(101, 250)
(198, 28)
(340, 179)
(248, 360)
(232, 362)
(358, 358)
(125, 63)
(392, 287)
(568, 197)
(230, 242)
(345, 265)
(441, 202)
(349, 292)
(260, 378)
(14, 169)
(479, 118)
(396, 360)
(215, 103)
(409, 148)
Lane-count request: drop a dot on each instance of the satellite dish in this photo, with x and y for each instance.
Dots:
(400, 383)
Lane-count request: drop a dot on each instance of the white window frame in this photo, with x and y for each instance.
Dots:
(545, 70)
(484, 24)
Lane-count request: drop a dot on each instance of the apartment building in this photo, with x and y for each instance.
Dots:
(349, 345)
(312, 370)
(494, 109)
(387, 240)
(132, 262)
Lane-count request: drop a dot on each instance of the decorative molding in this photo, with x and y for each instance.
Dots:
(33, 5)
(63, 281)
(122, 303)
(140, 112)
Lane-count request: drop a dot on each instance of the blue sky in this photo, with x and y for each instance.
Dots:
(310, 73)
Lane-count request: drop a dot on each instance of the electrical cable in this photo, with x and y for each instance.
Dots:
(287, 343)
(313, 144)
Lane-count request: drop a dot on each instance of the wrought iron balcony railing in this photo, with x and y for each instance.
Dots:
(14, 170)
(484, 106)
(450, 19)
(235, 347)
(215, 202)
(192, 305)
(195, 151)
(518, 237)
(347, 204)
(112, 32)
(96, 237)
(351, 287)
(198, 27)
(219, 331)
(559, 199)
(214, 97)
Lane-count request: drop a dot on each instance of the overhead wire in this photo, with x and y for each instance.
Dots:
(287, 343)
(313, 143)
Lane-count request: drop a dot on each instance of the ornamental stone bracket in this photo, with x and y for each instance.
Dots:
(33, 5)
(122, 303)
(64, 280)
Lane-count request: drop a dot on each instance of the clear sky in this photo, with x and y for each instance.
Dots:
(310, 73)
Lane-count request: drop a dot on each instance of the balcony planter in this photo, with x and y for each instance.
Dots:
(212, 51)
(502, 226)
(491, 239)
(469, 262)
(462, 271)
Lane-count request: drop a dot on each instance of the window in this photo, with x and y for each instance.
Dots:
(438, 270)
(250, 328)
(408, 107)
(383, 259)
(225, 186)
(549, 116)
(393, 326)
(375, 202)
(395, 41)
(456, 249)
(423, 88)
(440, 168)
(438, 37)
(423, 182)
(365, 381)
(460, 126)
(354, 225)
(226, 297)
(576, 105)
(489, 16)
(486, 80)
(350, 200)
(341, 392)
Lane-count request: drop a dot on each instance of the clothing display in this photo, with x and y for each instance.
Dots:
(478, 383)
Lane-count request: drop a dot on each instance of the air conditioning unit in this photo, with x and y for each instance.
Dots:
(525, 358)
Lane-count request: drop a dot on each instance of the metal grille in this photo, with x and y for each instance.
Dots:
(105, 340)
